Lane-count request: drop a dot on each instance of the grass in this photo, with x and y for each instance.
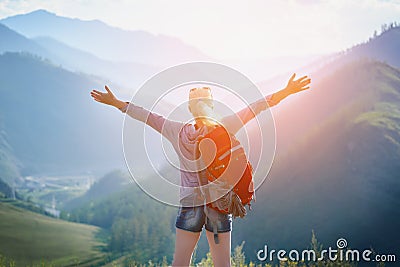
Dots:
(30, 238)
(385, 115)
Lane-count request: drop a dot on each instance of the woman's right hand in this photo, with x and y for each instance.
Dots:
(107, 98)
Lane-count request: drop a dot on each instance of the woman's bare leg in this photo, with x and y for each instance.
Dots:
(221, 252)
(184, 246)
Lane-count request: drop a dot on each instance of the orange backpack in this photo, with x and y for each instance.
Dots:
(225, 168)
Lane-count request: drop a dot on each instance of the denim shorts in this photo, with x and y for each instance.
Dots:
(193, 218)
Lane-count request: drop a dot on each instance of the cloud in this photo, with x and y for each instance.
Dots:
(308, 2)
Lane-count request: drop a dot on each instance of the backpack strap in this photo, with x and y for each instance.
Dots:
(203, 180)
(215, 230)
(212, 216)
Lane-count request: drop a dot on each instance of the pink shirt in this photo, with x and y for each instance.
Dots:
(183, 136)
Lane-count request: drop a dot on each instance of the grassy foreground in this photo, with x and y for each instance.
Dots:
(30, 238)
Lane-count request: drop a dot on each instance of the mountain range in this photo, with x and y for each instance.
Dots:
(124, 73)
(105, 41)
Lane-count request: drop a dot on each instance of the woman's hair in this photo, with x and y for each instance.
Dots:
(204, 93)
(200, 92)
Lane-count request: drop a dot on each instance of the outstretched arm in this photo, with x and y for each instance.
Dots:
(168, 128)
(235, 122)
(293, 86)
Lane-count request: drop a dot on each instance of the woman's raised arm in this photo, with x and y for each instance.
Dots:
(107, 98)
(235, 122)
(168, 128)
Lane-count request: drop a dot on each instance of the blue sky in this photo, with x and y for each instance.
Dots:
(235, 29)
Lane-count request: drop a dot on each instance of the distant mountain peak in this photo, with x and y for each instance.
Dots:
(43, 11)
(39, 13)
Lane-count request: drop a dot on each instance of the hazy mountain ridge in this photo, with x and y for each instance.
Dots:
(12, 41)
(126, 74)
(105, 41)
(60, 119)
(316, 104)
(383, 47)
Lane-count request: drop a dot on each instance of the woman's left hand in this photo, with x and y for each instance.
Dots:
(295, 86)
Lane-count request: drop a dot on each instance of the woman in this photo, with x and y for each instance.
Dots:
(191, 219)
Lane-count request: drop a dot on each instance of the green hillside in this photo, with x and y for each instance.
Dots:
(29, 238)
(139, 226)
(342, 179)
(107, 185)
